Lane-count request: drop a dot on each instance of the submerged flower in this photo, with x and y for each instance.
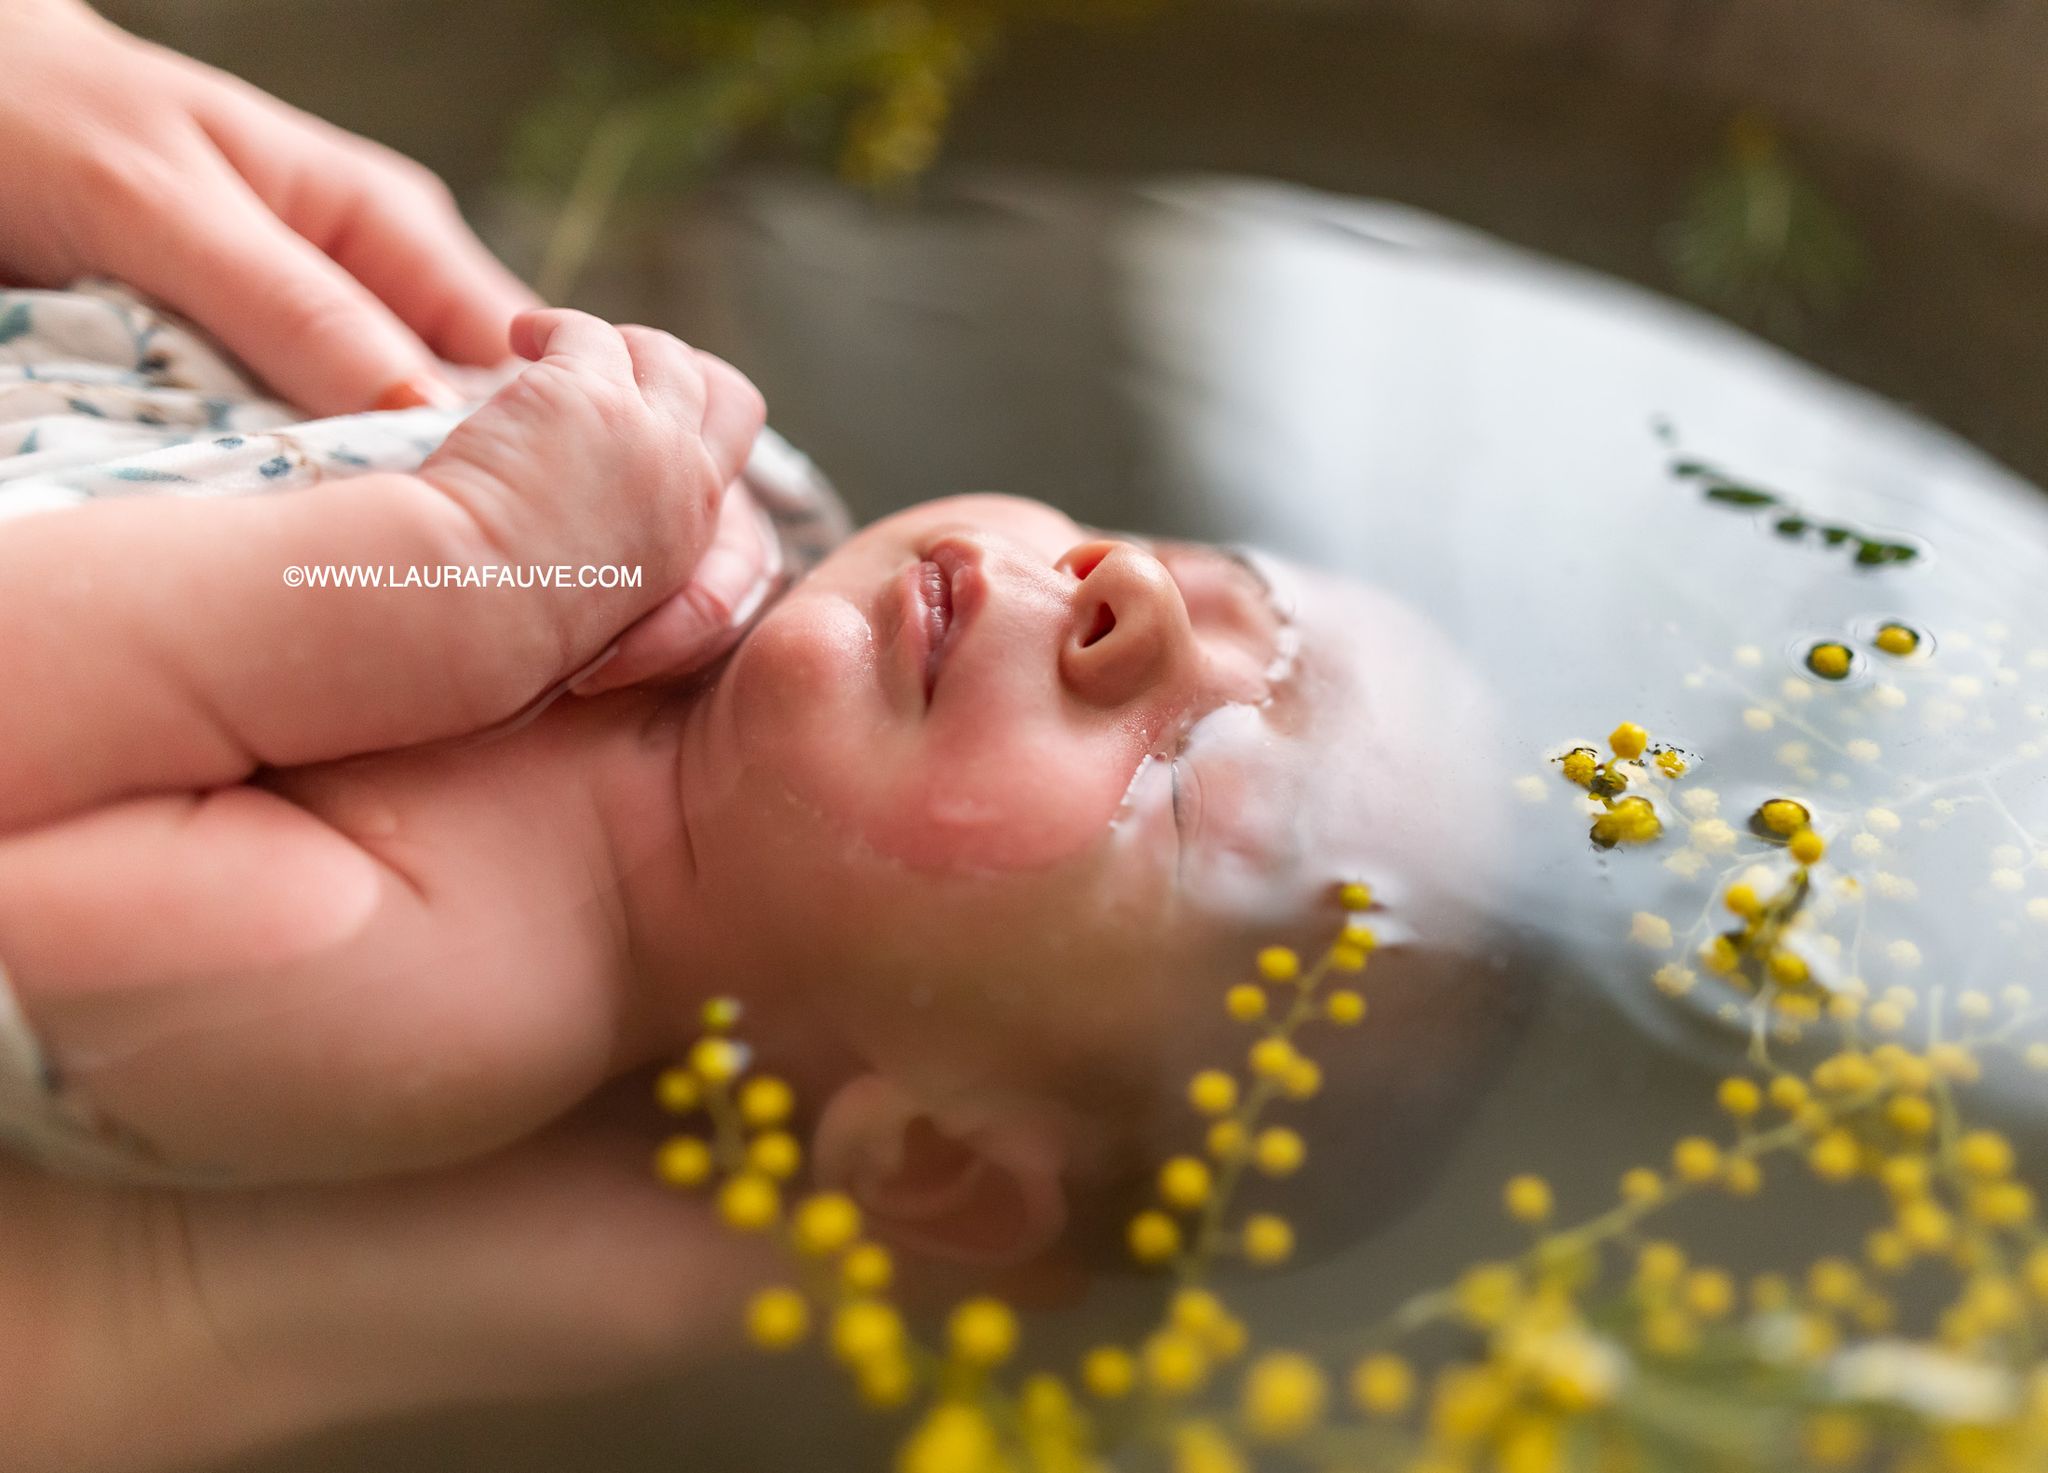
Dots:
(1630, 821)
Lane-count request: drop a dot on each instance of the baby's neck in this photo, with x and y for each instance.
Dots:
(683, 946)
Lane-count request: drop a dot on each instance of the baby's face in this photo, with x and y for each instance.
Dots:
(972, 684)
(1006, 794)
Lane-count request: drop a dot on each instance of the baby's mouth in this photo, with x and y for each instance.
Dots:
(935, 599)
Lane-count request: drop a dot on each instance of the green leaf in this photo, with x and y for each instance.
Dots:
(1733, 495)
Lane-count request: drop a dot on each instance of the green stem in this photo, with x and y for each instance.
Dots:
(613, 145)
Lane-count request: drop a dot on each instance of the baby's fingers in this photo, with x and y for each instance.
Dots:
(670, 377)
(733, 415)
(694, 627)
(558, 334)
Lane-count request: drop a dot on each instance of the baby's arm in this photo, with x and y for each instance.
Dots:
(391, 962)
(154, 646)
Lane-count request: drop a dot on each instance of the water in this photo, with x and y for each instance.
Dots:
(1503, 444)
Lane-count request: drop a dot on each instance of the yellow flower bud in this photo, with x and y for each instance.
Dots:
(1344, 1007)
(722, 1014)
(1834, 1156)
(1283, 1396)
(1272, 1057)
(1487, 1293)
(983, 1332)
(1360, 935)
(1628, 740)
(1184, 1183)
(683, 1161)
(884, 1382)
(1783, 817)
(1696, 1159)
(825, 1223)
(778, 1318)
(1985, 1154)
(775, 1155)
(717, 1060)
(1109, 1371)
(1830, 661)
(1278, 1151)
(1154, 1237)
(1742, 1177)
(1788, 1092)
(765, 1101)
(749, 1202)
(866, 1268)
(1344, 957)
(1268, 1240)
(1279, 964)
(1383, 1385)
(1245, 1002)
(1640, 1184)
(1175, 1364)
(1213, 1092)
(1910, 1115)
(1659, 1264)
(866, 1330)
(1925, 1225)
(1788, 968)
(1708, 1293)
(677, 1090)
(1740, 1097)
(1228, 1141)
(1527, 1199)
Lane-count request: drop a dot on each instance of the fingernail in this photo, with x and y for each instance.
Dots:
(418, 393)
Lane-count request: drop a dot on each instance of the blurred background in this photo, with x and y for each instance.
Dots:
(1857, 179)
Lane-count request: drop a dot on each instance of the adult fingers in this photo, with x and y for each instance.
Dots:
(391, 223)
(309, 330)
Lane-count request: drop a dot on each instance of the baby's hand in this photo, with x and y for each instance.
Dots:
(615, 447)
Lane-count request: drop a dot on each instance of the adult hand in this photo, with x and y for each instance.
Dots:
(145, 1329)
(335, 268)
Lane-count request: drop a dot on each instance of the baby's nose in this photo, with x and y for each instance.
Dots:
(1128, 629)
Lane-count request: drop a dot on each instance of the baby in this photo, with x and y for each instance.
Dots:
(978, 821)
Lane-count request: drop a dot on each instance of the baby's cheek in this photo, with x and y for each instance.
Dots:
(1004, 809)
(799, 668)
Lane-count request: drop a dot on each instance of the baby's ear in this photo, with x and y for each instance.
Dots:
(986, 1192)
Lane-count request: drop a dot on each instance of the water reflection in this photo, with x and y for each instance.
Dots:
(1506, 445)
